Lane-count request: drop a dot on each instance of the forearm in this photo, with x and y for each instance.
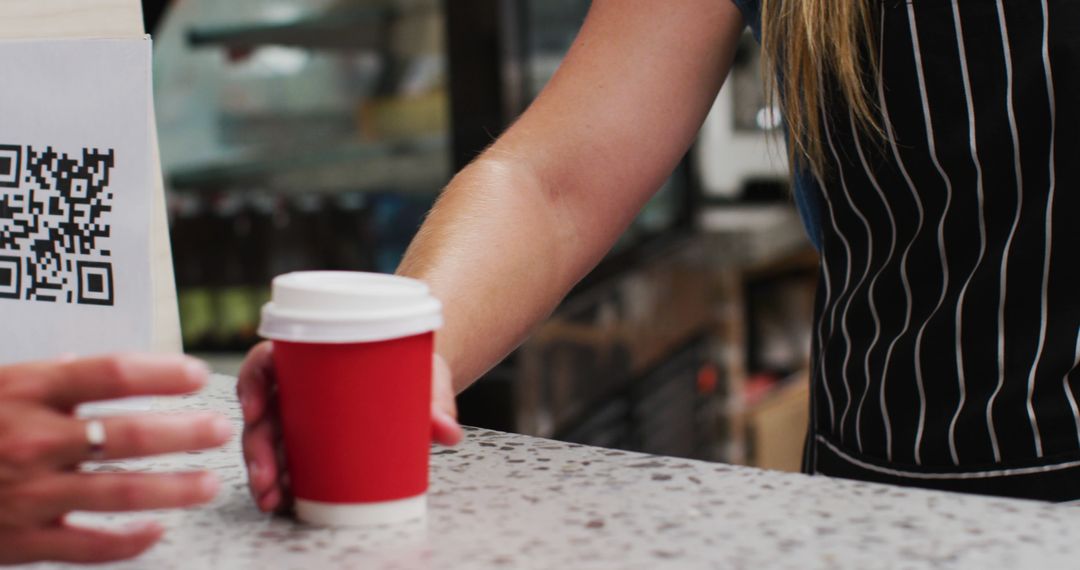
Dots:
(520, 226)
(500, 251)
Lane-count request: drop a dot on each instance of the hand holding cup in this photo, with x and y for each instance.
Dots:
(263, 448)
(339, 410)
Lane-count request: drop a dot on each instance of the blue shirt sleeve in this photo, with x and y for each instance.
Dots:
(751, 11)
(805, 188)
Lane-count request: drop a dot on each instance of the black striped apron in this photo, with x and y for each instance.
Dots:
(948, 308)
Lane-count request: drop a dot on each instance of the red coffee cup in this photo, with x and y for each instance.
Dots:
(353, 357)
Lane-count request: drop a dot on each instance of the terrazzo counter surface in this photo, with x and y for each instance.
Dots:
(509, 501)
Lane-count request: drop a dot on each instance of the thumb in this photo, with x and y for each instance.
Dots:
(444, 427)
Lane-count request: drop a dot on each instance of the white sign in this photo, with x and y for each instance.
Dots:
(76, 197)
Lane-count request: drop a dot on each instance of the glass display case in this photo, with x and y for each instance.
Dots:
(294, 135)
(316, 134)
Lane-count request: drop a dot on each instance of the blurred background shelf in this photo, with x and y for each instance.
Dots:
(354, 29)
(419, 166)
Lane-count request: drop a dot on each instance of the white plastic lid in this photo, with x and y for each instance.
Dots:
(344, 306)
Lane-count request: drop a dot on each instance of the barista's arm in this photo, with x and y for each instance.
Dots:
(533, 214)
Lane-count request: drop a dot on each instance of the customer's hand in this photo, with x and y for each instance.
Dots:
(263, 451)
(42, 445)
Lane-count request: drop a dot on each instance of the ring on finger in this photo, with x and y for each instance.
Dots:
(95, 439)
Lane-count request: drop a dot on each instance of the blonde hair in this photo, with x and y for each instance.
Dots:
(808, 47)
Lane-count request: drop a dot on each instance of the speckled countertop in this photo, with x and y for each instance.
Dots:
(508, 501)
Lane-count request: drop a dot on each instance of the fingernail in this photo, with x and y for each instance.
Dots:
(210, 485)
(245, 404)
(222, 429)
(270, 500)
(197, 370)
(254, 470)
(445, 417)
(140, 527)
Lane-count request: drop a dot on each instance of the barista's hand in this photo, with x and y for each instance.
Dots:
(42, 445)
(263, 451)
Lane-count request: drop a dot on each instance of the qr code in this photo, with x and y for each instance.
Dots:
(55, 214)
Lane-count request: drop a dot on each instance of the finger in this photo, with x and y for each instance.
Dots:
(77, 544)
(64, 385)
(442, 387)
(261, 456)
(277, 497)
(444, 429)
(444, 426)
(35, 440)
(255, 382)
(143, 435)
(270, 501)
(277, 500)
(48, 498)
